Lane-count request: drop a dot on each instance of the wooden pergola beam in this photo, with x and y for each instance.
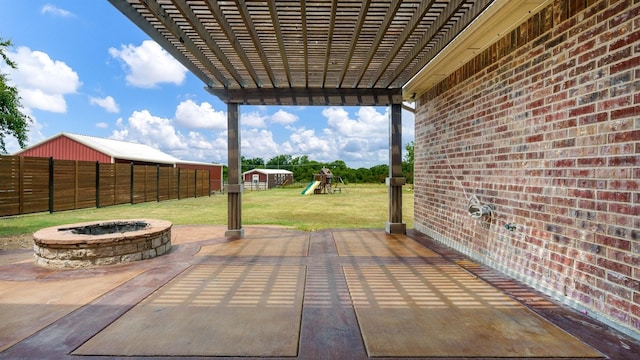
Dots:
(309, 96)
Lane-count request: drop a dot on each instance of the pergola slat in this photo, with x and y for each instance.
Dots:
(252, 46)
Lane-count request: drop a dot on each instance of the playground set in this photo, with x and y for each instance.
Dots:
(324, 183)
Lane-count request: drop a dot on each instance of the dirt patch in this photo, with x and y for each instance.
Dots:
(16, 242)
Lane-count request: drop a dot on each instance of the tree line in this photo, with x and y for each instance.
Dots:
(304, 168)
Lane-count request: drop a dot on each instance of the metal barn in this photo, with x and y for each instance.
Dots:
(67, 146)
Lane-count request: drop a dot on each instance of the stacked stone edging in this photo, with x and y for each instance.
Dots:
(64, 249)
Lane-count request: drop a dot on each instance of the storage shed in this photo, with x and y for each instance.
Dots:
(67, 146)
(262, 179)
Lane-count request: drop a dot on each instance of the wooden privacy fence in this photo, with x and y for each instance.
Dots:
(30, 185)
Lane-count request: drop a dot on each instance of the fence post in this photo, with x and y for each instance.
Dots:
(50, 184)
(158, 182)
(131, 187)
(195, 183)
(76, 190)
(21, 185)
(115, 183)
(145, 182)
(178, 183)
(97, 184)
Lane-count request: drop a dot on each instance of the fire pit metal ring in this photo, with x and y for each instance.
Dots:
(101, 243)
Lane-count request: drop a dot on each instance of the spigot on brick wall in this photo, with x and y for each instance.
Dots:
(510, 226)
(484, 212)
(478, 210)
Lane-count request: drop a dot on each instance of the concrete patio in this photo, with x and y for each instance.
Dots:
(279, 293)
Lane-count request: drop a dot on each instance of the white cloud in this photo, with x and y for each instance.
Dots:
(144, 128)
(206, 150)
(41, 81)
(359, 138)
(203, 116)
(198, 142)
(258, 143)
(260, 119)
(56, 11)
(336, 115)
(284, 118)
(122, 134)
(38, 99)
(149, 65)
(369, 123)
(305, 142)
(253, 119)
(107, 103)
(102, 125)
(362, 141)
(202, 149)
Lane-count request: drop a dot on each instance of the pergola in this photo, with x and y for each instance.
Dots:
(324, 52)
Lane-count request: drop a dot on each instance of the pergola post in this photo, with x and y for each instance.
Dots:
(395, 181)
(234, 186)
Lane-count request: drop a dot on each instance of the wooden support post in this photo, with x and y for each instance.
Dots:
(234, 190)
(395, 181)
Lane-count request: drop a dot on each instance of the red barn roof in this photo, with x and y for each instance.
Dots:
(68, 146)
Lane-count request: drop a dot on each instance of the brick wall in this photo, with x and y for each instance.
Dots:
(545, 125)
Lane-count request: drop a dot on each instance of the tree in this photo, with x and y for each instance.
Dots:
(225, 172)
(304, 169)
(280, 162)
(407, 164)
(408, 156)
(12, 121)
(250, 164)
(378, 174)
(337, 166)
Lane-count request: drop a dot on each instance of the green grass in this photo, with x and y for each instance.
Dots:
(360, 206)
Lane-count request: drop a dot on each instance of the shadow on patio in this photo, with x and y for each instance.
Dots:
(331, 294)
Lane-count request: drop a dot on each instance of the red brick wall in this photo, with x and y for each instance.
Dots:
(545, 125)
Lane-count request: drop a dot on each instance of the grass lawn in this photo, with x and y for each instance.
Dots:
(358, 206)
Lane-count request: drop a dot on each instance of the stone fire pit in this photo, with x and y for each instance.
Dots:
(101, 243)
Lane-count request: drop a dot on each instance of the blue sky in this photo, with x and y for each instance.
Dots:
(84, 68)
